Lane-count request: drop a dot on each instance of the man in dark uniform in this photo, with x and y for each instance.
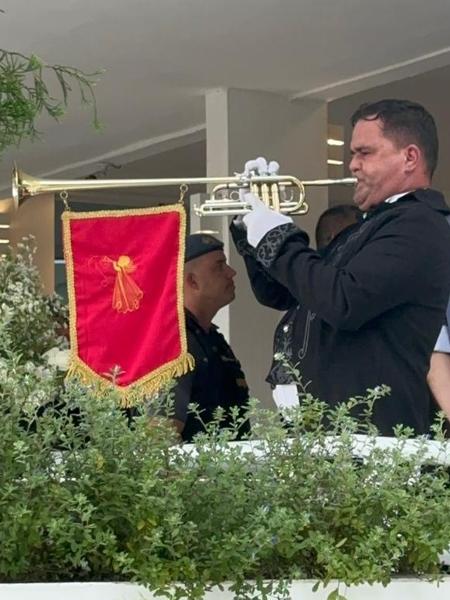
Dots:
(217, 379)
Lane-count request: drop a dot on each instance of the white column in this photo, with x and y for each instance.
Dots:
(242, 125)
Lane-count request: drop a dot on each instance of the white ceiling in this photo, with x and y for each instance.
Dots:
(160, 56)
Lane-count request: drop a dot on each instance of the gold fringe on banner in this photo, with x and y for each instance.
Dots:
(138, 392)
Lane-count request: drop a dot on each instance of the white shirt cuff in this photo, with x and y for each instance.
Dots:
(443, 341)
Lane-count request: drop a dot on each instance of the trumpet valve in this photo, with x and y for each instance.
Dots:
(275, 197)
(265, 196)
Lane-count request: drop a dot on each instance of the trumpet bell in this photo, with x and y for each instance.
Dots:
(15, 185)
(23, 186)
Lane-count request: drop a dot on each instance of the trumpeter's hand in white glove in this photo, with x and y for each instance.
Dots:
(258, 166)
(261, 219)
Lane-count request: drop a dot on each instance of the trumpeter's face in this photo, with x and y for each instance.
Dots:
(378, 163)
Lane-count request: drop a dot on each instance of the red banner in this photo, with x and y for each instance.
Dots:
(125, 283)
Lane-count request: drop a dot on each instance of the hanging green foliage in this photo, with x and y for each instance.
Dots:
(26, 92)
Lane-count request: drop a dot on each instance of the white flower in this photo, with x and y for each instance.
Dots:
(57, 358)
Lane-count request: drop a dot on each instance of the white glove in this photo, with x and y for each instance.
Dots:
(257, 166)
(238, 220)
(260, 166)
(273, 168)
(261, 220)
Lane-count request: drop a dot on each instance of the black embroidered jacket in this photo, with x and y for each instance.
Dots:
(365, 314)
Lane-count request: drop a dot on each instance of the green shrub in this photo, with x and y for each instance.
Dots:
(84, 496)
(28, 320)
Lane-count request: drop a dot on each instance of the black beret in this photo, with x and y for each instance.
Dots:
(198, 244)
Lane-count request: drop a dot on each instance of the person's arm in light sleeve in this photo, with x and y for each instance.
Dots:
(439, 373)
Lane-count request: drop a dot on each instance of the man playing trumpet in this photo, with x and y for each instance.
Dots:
(369, 311)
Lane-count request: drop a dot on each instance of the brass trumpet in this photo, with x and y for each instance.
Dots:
(283, 193)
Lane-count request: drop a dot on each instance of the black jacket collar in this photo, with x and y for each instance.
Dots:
(432, 198)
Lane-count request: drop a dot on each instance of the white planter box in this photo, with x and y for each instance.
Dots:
(400, 589)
